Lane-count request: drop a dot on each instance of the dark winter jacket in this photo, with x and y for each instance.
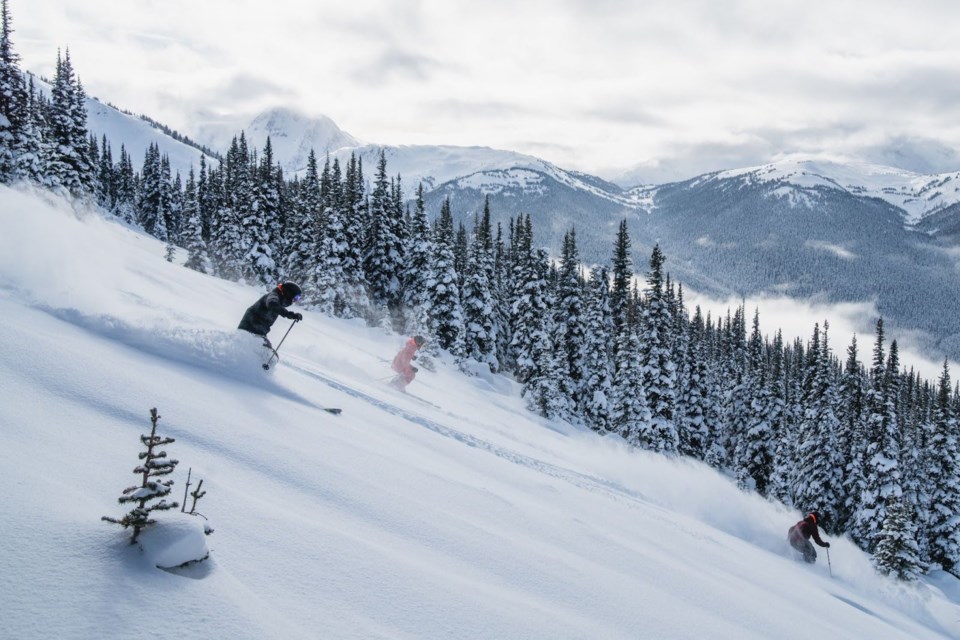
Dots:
(263, 313)
(805, 529)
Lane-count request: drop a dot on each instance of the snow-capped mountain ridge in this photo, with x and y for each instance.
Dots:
(917, 195)
(293, 135)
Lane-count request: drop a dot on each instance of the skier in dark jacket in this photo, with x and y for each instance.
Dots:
(261, 315)
(800, 533)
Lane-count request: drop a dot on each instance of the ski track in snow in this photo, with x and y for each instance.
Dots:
(580, 480)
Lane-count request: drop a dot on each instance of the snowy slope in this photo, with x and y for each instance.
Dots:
(464, 518)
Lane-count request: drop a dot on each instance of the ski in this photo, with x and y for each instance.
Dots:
(334, 410)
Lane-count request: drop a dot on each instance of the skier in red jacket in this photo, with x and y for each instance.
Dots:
(799, 537)
(401, 363)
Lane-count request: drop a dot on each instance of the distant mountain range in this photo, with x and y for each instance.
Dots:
(843, 231)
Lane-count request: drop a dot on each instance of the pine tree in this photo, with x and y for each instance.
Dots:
(622, 271)
(692, 425)
(193, 228)
(152, 198)
(944, 465)
(69, 165)
(480, 337)
(544, 391)
(529, 303)
(106, 191)
(818, 462)
(304, 226)
(897, 553)
(125, 185)
(851, 436)
(14, 102)
(753, 457)
(383, 262)
(155, 464)
(598, 382)
(501, 287)
(570, 321)
(418, 269)
(446, 314)
(881, 466)
(354, 213)
(235, 192)
(630, 416)
(656, 358)
(30, 150)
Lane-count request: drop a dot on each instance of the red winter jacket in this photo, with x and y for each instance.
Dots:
(805, 529)
(401, 362)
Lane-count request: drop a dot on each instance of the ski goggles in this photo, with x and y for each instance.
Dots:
(297, 297)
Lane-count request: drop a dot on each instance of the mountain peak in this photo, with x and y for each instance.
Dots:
(294, 134)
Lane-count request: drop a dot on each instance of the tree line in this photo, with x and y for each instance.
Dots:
(873, 447)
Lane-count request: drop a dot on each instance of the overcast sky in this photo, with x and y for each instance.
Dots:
(668, 88)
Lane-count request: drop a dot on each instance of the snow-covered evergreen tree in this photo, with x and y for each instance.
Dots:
(480, 323)
(14, 101)
(692, 426)
(881, 465)
(818, 462)
(69, 165)
(897, 553)
(154, 464)
(153, 200)
(597, 390)
(354, 213)
(446, 314)
(630, 415)
(418, 269)
(30, 152)
(333, 292)
(303, 226)
(383, 261)
(943, 455)
(656, 356)
(753, 456)
(544, 390)
(570, 321)
(622, 274)
(192, 236)
(529, 300)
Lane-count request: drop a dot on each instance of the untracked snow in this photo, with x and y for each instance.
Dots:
(450, 513)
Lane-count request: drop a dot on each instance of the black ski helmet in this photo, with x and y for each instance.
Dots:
(419, 340)
(291, 291)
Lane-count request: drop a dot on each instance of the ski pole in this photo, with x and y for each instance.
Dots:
(266, 365)
(829, 566)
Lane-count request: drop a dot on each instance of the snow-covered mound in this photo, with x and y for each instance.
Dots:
(448, 513)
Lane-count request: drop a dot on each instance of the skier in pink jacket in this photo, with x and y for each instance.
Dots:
(402, 362)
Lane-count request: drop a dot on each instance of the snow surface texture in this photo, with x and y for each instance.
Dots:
(398, 519)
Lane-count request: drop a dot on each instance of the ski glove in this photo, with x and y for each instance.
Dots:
(297, 317)
(414, 369)
(826, 544)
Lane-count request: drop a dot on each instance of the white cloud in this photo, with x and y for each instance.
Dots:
(796, 318)
(679, 87)
(831, 248)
